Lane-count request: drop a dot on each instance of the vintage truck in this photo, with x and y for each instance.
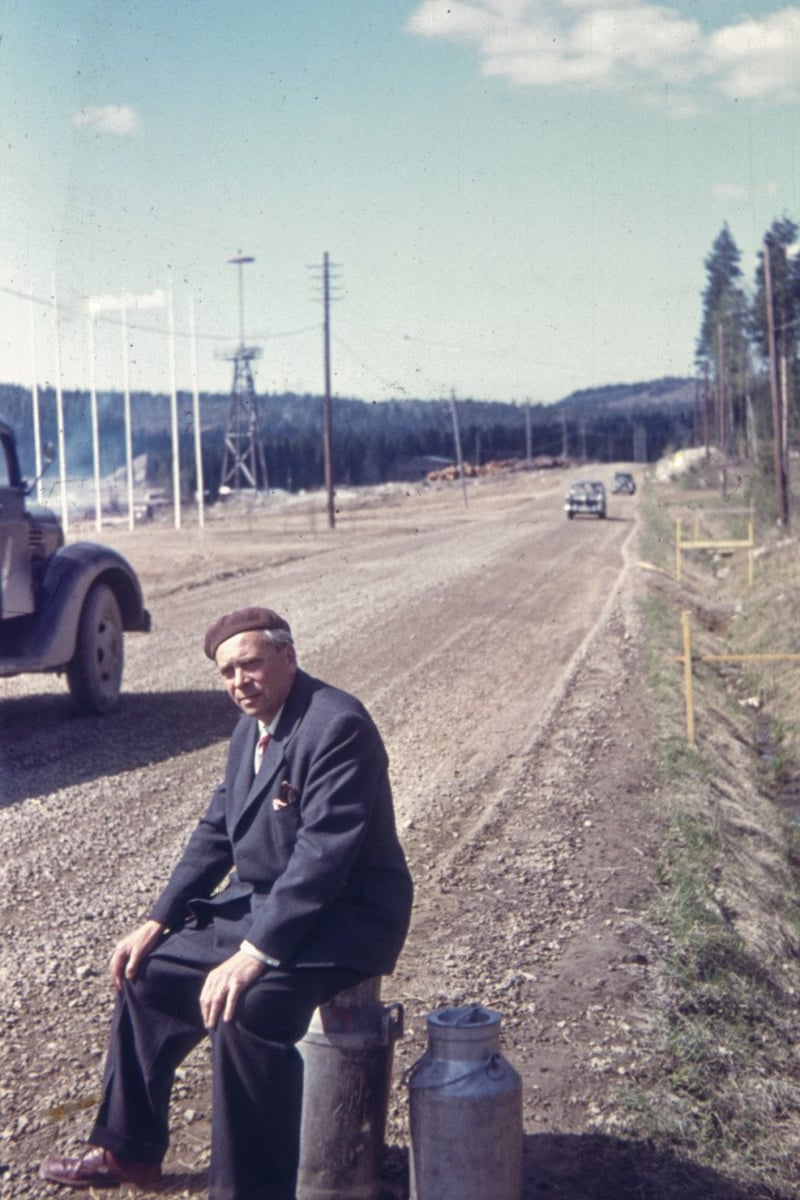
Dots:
(63, 608)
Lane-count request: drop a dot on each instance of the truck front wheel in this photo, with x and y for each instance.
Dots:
(95, 673)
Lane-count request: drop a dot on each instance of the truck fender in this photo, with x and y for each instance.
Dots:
(70, 574)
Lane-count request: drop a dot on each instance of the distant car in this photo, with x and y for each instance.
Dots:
(586, 496)
(623, 481)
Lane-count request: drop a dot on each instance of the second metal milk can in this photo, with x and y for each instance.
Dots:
(465, 1108)
(347, 1054)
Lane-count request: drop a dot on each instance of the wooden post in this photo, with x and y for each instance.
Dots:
(686, 622)
(706, 415)
(327, 431)
(775, 391)
(457, 439)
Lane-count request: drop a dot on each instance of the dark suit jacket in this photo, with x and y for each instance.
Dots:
(322, 881)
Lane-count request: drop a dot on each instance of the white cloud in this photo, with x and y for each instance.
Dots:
(631, 46)
(757, 59)
(728, 191)
(723, 190)
(118, 119)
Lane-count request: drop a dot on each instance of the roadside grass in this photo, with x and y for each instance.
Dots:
(719, 1077)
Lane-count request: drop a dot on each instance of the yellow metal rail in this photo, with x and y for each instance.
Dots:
(688, 658)
(696, 543)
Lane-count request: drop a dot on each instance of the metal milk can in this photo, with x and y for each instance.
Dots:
(465, 1107)
(347, 1071)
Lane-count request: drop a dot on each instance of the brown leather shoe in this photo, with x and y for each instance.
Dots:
(99, 1168)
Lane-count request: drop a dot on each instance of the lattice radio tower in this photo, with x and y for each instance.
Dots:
(243, 463)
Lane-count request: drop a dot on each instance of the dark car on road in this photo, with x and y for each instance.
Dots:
(587, 496)
(623, 482)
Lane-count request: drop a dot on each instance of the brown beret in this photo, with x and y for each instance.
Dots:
(242, 621)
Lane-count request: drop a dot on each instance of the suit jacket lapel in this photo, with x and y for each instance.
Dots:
(249, 788)
(270, 765)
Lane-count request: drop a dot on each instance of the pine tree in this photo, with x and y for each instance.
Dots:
(723, 343)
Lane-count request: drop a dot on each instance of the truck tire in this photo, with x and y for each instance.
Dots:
(95, 673)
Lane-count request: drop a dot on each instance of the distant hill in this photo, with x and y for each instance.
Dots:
(660, 395)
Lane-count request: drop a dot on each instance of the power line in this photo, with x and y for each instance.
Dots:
(457, 347)
(112, 319)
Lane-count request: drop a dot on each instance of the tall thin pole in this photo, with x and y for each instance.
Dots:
(722, 424)
(126, 386)
(98, 500)
(328, 418)
(198, 442)
(37, 427)
(706, 403)
(784, 384)
(62, 449)
(173, 387)
(774, 383)
(240, 261)
(457, 439)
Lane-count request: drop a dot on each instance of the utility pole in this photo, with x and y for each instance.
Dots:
(639, 444)
(327, 279)
(775, 391)
(457, 439)
(722, 432)
(706, 412)
(328, 422)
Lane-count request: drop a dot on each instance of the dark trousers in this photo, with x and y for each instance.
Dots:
(257, 1069)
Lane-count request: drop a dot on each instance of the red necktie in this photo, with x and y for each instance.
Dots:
(263, 742)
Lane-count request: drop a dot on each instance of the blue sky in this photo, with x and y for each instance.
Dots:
(517, 195)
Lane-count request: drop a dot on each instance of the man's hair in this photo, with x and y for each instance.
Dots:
(278, 637)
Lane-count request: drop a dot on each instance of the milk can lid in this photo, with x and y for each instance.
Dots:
(467, 1016)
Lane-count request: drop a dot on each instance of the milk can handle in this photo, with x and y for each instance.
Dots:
(489, 1066)
(392, 1021)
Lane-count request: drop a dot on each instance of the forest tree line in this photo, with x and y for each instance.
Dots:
(372, 443)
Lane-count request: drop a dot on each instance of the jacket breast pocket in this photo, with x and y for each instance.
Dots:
(285, 825)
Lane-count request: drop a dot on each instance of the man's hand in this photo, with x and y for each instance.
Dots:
(225, 984)
(129, 952)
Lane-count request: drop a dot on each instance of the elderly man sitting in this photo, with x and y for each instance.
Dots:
(316, 897)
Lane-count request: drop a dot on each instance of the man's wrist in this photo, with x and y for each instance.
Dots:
(254, 952)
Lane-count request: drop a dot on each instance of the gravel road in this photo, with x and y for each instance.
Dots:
(496, 645)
